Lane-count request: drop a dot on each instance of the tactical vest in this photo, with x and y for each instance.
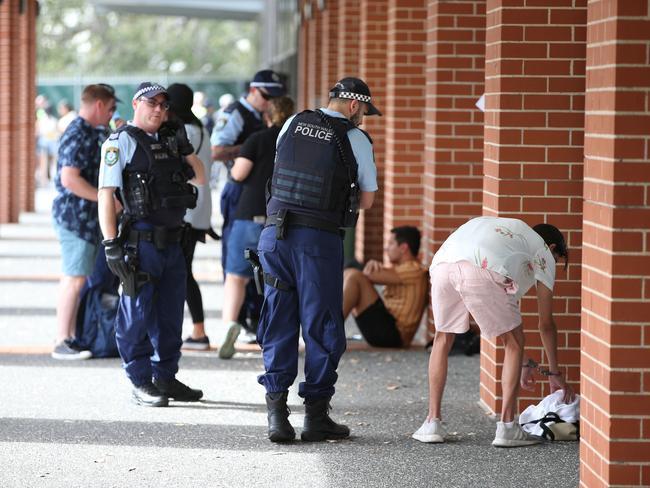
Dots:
(251, 123)
(155, 184)
(315, 170)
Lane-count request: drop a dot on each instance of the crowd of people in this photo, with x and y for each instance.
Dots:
(138, 193)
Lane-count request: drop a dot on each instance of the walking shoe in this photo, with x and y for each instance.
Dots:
(431, 432)
(318, 425)
(200, 344)
(513, 436)
(148, 395)
(280, 429)
(227, 349)
(247, 338)
(176, 390)
(68, 350)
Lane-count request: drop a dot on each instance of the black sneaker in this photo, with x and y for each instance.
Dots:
(200, 344)
(69, 351)
(148, 395)
(176, 390)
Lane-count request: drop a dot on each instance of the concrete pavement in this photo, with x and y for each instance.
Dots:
(70, 424)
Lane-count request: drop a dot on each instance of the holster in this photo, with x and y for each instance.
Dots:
(258, 273)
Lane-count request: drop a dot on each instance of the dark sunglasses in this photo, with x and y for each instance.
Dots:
(265, 96)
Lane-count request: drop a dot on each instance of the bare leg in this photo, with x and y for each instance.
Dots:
(442, 344)
(68, 302)
(513, 342)
(234, 292)
(358, 292)
(198, 330)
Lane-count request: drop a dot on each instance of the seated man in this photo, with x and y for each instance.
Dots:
(391, 320)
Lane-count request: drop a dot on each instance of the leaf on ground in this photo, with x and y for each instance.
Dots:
(392, 387)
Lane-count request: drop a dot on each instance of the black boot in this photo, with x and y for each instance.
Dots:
(178, 391)
(280, 430)
(318, 424)
(148, 395)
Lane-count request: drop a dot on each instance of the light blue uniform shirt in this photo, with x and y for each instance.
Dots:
(362, 149)
(229, 126)
(117, 152)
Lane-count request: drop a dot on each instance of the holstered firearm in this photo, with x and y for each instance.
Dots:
(258, 273)
(133, 280)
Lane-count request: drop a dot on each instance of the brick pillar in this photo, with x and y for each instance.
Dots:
(348, 42)
(25, 93)
(6, 20)
(533, 161)
(373, 47)
(405, 113)
(453, 171)
(312, 50)
(329, 47)
(303, 63)
(615, 365)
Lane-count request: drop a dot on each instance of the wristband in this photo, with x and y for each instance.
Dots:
(530, 364)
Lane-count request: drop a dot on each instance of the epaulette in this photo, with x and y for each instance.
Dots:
(114, 136)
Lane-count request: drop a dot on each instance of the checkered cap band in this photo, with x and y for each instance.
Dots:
(351, 96)
(148, 89)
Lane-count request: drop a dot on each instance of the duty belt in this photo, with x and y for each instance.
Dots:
(160, 236)
(285, 218)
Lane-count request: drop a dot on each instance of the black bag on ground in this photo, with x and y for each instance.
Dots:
(95, 330)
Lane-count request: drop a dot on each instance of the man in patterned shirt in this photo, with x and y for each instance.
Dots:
(391, 320)
(74, 209)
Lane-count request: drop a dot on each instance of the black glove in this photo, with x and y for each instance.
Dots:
(115, 259)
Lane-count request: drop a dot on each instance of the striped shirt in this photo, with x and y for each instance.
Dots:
(406, 300)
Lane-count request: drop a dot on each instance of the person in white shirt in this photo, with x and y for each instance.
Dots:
(484, 268)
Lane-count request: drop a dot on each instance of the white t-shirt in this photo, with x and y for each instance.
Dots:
(199, 216)
(506, 246)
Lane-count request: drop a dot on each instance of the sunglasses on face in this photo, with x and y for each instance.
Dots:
(266, 96)
(164, 106)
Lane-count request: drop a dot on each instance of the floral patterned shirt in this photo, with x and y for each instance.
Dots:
(506, 246)
(78, 148)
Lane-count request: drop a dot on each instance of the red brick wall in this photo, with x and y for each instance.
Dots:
(372, 69)
(453, 171)
(329, 47)
(303, 43)
(615, 366)
(314, 60)
(405, 113)
(533, 156)
(348, 32)
(17, 91)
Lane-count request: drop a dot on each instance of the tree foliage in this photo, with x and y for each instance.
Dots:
(74, 37)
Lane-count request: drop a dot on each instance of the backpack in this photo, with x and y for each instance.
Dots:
(95, 326)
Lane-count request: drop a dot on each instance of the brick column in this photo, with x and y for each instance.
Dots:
(373, 47)
(615, 365)
(303, 43)
(348, 42)
(535, 68)
(25, 93)
(329, 47)
(405, 111)
(6, 20)
(453, 181)
(312, 50)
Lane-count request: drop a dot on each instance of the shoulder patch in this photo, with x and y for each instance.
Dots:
(221, 123)
(112, 155)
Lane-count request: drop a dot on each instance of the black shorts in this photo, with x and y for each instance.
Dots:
(378, 326)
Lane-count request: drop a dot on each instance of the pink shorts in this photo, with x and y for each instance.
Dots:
(458, 289)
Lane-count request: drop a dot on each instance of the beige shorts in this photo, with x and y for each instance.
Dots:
(458, 289)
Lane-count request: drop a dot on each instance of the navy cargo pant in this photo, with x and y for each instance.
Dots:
(148, 327)
(311, 262)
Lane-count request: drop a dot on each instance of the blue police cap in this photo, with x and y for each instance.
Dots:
(354, 89)
(270, 81)
(148, 89)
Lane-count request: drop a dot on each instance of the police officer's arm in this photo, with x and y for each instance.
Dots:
(197, 166)
(366, 199)
(107, 212)
(225, 153)
(72, 180)
(241, 169)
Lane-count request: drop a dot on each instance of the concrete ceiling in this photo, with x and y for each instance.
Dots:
(215, 9)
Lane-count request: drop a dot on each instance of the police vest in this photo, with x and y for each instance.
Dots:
(155, 186)
(315, 171)
(251, 123)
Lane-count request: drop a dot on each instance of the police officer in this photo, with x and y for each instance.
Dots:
(238, 121)
(147, 163)
(324, 172)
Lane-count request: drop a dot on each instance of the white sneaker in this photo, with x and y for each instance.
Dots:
(430, 432)
(227, 349)
(513, 436)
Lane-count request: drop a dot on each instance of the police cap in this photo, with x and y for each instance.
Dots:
(354, 89)
(149, 89)
(270, 81)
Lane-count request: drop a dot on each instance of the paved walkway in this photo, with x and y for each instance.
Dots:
(70, 424)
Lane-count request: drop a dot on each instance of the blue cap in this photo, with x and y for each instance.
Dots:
(148, 89)
(270, 81)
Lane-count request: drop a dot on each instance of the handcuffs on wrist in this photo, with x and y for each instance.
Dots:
(543, 371)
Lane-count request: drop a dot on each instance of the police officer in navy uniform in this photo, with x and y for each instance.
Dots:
(150, 165)
(324, 173)
(234, 125)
